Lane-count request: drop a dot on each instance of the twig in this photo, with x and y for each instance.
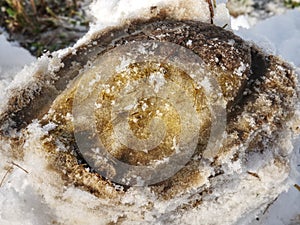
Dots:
(21, 11)
(5, 175)
(33, 7)
(9, 170)
(14, 164)
(225, 26)
(297, 187)
(211, 9)
(253, 174)
(268, 206)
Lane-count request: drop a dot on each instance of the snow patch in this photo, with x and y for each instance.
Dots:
(279, 35)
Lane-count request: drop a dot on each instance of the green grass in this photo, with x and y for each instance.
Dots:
(40, 25)
(291, 4)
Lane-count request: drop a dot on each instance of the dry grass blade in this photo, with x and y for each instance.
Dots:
(33, 6)
(5, 175)
(9, 170)
(211, 9)
(14, 164)
(268, 206)
(253, 174)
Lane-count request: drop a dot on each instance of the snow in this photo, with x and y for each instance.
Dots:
(12, 59)
(117, 12)
(278, 35)
(189, 43)
(157, 80)
(239, 71)
(239, 22)
(20, 198)
(108, 13)
(221, 17)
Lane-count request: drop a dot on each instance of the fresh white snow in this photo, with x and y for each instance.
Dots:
(279, 35)
(12, 59)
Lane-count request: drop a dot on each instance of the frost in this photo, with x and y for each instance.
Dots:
(205, 83)
(124, 63)
(60, 146)
(158, 113)
(231, 42)
(189, 43)
(144, 106)
(142, 50)
(98, 105)
(55, 64)
(69, 117)
(175, 145)
(239, 71)
(157, 80)
(48, 127)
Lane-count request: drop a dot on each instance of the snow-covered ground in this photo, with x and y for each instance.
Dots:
(279, 35)
(12, 60)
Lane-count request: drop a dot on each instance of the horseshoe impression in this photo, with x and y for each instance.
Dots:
(159, 120)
